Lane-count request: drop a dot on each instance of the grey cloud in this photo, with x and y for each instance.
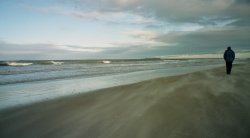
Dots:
(242, 1)
(104, 5)
(214, 15)
(205, 12)
(176, 10)
(209, 40)
(208, 13)
(48, 51)
(44, 51)
(195, 10)
(139, 51)
(11, 51)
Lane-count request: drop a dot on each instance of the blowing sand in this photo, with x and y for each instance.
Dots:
(206, 104)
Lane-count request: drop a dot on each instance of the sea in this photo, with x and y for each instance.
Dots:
(29, 81)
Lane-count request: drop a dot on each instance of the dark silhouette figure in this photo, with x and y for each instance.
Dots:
(229, 56)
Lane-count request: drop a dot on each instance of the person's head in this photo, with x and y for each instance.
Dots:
(229, 48)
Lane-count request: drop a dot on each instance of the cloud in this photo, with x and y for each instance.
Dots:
(214, 55)
(10, 51)
(203, 12)
(44, 51)
(78, 48)
(164, 14)
(147, 35)
(173, 10)
(108, 16)
(209, 39)
(111, 17)
(194, 10)
(217, 21)
(155, 27)
(188, 56)
(38, 48)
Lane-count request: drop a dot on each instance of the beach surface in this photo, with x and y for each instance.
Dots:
(207, 104)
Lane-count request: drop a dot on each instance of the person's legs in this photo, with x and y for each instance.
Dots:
(229, 67)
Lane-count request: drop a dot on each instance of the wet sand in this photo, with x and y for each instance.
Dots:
(207, 104)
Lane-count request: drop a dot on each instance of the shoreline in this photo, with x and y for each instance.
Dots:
(201, 104)
(21, 94)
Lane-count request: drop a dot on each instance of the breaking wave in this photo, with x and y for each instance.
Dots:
(55, 63)
(15, 64)
(106, 62)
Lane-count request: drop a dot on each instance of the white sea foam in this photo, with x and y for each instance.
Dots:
(106, 62)
(56, 63)
(18, 64)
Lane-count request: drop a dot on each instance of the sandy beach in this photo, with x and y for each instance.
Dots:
(207, 104)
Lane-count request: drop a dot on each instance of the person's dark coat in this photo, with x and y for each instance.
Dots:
(229, 55)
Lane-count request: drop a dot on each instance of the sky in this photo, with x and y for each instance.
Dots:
(94, 29)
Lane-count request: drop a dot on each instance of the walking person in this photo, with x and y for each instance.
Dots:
(229, 57)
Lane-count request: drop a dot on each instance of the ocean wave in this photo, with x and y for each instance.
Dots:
(55, 63)
(19, 63)
(106, 61)
(15, 64)
(48, 62)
